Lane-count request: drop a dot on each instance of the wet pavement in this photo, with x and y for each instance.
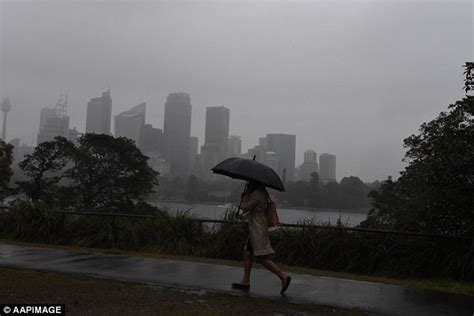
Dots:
(358, 295)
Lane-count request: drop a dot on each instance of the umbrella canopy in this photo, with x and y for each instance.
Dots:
(250, 170)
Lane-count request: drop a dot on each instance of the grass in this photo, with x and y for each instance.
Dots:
(390, 257)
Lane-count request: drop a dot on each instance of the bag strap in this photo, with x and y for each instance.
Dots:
(269, 199)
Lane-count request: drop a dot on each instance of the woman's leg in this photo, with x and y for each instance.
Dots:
(267, 263)
(247, 267)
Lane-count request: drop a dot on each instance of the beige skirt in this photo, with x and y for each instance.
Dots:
(258, 241)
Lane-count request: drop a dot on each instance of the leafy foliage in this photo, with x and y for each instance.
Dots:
(6, 158)
(469, 76)
(350, 193)
(359, 252)
(45, 167)
(102, 172)
(435, 191)
(109, 172)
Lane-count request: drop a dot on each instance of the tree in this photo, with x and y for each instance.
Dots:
(332, 196)
(101, 172)
(469, 77)
(45, 167)
(435, 191)
(353, 193)
(109, 173)
(314, 189)
(6, 159)
(191, 189)
(297, 193)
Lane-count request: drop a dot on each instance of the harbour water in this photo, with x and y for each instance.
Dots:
(290, 216)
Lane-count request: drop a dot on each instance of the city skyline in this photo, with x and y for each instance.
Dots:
(276, 150)
(289, 82)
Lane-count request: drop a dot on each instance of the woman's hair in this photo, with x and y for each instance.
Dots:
(253, 185)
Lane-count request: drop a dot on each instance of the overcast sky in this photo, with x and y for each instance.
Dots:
(351, 78)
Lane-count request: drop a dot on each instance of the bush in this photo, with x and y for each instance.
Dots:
(182, 234)
(33, 222)
(226, 241)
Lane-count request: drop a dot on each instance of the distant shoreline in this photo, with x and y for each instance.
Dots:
(361, 211)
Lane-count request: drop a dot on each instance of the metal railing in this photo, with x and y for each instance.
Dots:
(305, 226)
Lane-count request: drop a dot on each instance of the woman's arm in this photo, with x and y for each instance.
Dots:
(250, 202)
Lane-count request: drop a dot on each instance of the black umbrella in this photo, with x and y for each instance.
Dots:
(249, 170)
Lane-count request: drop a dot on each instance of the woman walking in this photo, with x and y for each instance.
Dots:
(254, 205)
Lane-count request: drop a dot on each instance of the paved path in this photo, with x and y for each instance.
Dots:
(364, 296)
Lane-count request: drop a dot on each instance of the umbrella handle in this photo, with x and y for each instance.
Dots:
(245, 189)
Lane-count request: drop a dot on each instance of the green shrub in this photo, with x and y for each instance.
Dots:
(33, 222)
(183, 234)
(226, 241)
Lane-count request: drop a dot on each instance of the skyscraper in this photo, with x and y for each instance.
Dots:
(151, 140)
(309, 165)
(130, 123)
(272, 160)
(234, 146)
(177, 130)
(99, 113)
(54, 121)
(193, 152)
(258, 152)
(216, 138)
(285, 146)
(262, 142)
(209, 158)
(217, 128)
(73, 135)
(327, 167)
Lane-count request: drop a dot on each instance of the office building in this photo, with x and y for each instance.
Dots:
(157, 163)
(54, 121)
(193, 152)
(177, 132)
(262, 142)
(209, 158)
(272, 160)
(73, 135)
(130, 123)
(217, 128)
(54, 126)
(257, 152)
(285, 146)
(327, 167)
(151, 140)
(234, 146)
(216, 139)
(99, 113)
(309, 165)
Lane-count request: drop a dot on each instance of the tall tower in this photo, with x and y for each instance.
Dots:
(234, 146)
(54, 121)
(309, 165)
(327, 167)
(61, 106)
(6, 107)
(177, 132)
(215, 142)
(99, 113)
(130, 123)
(285, 146)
